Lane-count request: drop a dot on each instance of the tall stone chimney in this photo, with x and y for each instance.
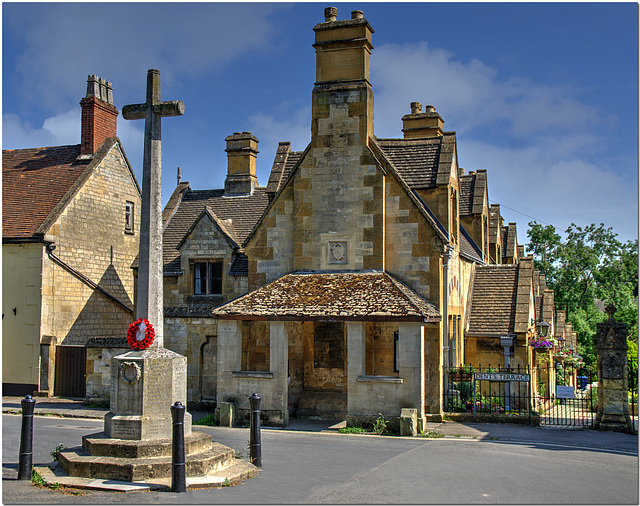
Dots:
(242, 151)
(343, 87)
(419, 125)
(99, 115)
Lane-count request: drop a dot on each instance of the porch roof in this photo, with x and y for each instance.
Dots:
(335, 296)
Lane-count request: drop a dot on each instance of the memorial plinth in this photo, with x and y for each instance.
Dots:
(613, 376)
(144, 384)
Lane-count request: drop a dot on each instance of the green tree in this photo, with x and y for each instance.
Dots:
(589, 265)
(544, 244)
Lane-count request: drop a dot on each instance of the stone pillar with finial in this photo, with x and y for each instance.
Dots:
(613, 378)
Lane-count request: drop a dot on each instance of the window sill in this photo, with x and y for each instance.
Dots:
(252, 374)
(380, 379)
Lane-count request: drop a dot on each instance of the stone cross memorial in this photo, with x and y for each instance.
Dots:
(149, 299)
(146, 383)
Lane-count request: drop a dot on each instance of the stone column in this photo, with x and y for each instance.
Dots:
(355, 367)
(411, 351)
(279, 364)
(613, 402)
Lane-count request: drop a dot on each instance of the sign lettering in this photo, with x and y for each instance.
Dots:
(500, 376)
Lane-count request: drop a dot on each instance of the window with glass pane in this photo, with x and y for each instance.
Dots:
(200, 278)
(207, 278)
(215, 278)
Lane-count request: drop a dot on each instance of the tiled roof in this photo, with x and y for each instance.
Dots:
(468, 246)
(238, 213)
(33, 182)
(416, 160)
(239, 265)
(292, 160)
(493, 303)
(465, 202)
(346, 296)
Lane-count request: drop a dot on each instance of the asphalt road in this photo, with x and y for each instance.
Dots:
(303, 467)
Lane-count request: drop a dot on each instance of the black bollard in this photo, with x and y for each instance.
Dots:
(25, 460)
(255, 446)
(178, 470)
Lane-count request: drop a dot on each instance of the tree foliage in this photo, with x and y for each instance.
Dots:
(590, 265)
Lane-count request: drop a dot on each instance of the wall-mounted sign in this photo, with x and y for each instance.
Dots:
(500, 376)
(565, 392)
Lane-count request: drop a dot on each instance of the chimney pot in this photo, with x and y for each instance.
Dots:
(109, 93)
(416, 107)
(330, 14)
(357, 15)
(93, 86)
(429, 108)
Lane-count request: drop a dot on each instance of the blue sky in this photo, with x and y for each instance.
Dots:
(542, 95)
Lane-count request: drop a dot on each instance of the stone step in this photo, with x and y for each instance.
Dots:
(77, 462)
(231, 475)
(100, 445)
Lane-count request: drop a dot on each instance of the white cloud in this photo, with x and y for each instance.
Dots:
(59, 130)
(469, 95)
(290, 125)
(116, 41)
(541, 146)
(559, 191)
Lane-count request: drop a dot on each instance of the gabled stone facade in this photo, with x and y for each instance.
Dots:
(71, 217)
(299, 318)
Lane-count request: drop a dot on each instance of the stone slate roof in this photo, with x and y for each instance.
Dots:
(33, 182)
(340, 296)
(416, 160)
(239, 265)
(283, 164)
(493, 302)
(465, 202)
(468, 246)
(238, 213)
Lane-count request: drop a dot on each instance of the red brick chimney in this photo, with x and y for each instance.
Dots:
(99, 115)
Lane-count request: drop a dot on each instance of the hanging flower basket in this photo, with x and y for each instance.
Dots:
(140, 334)
(541, 344)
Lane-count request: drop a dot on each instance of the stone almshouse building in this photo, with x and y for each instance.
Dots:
(70, 221)
(363, 270)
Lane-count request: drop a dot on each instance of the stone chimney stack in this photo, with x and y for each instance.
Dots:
(419, 125)
(99, 115)
(242, 151)
(342, 87)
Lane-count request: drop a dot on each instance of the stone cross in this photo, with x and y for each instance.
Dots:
(149, 302)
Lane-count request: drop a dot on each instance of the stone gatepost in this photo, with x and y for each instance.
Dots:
(613, 402)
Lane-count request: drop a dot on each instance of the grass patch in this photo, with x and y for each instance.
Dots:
(209, 421)
(351, 430)
(430, 434)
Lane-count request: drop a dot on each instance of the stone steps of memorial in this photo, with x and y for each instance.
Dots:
(100, 445)
(77, 462)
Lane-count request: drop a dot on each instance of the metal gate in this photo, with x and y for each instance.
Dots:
(566, 394)
(70, 376)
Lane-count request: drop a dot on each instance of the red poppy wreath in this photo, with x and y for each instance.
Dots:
(140, 334)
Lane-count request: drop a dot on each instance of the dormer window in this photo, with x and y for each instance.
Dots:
(207, 278)
(128, 217)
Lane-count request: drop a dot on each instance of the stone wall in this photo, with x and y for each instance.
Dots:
(90, 236)
(197, 339)
(368, 396)
(99, 353)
